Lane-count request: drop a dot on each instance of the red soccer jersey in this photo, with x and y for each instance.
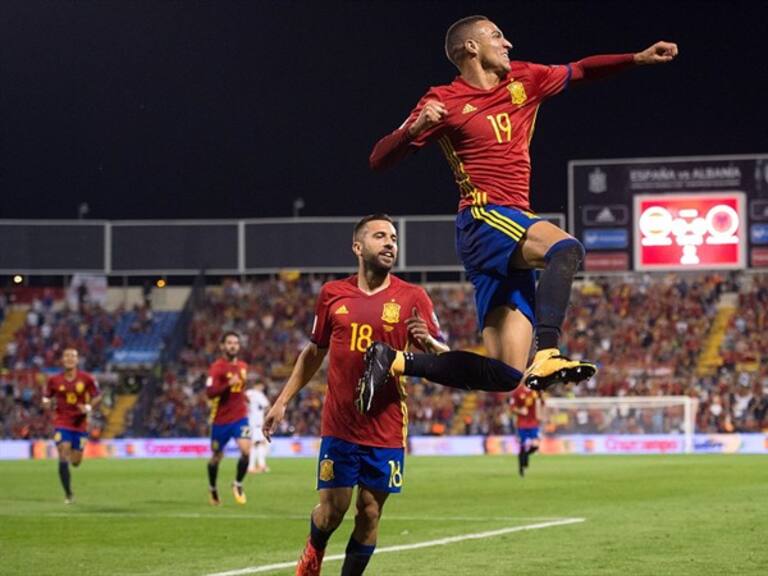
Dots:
(226, 389)
(347, 321)
(525, 401)
(485, 135)
(70, 395)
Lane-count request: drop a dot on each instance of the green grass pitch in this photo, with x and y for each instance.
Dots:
(654, 515)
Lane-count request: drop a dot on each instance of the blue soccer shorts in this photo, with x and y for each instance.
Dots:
(76, 439)
(222, 433)
(486, 237)
(345, 464)
(525, 434)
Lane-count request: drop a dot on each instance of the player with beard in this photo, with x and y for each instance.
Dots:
(225, 388)
(363, 451)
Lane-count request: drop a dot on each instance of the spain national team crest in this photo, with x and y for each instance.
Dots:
(517, 93)
(326, 470)
(79, 387)
(391, 312)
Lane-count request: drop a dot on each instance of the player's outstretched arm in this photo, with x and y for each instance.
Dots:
(308, 363)
(600, 66)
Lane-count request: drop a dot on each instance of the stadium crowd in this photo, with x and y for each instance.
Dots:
(646, 333)
(48, 329)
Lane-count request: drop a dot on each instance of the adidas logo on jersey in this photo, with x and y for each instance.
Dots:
(468, 108)
(342, 310)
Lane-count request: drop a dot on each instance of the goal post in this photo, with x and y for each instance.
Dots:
(622, 415)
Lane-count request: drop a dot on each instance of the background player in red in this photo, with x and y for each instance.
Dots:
(483, 122)
(74, 394)
(229, 414)
(525, 404)
(366, 451)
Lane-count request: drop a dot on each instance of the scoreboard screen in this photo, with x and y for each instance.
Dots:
(680, 213)
(689, 231)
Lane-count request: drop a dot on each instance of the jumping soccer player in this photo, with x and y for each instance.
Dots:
(74, 394)
(229, 414)
(483, 122)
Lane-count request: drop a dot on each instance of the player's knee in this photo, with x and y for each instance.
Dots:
(568, 251)
(368, 514)
(75, 462)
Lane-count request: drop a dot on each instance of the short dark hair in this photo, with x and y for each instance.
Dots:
(227, 334)
(370, 218)
(457, 35)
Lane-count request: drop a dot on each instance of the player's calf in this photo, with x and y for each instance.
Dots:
(456, 368)
(65, 478)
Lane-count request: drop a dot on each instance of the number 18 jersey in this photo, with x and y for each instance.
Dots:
(347, 321)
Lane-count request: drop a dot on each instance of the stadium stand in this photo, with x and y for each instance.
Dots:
(705, 336)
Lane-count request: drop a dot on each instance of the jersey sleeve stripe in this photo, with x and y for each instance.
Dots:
(568, 76)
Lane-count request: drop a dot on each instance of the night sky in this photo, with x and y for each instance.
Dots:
(233, 109)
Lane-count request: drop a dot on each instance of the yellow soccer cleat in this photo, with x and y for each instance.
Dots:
(550, 367)
(238, 493)
(213, 497)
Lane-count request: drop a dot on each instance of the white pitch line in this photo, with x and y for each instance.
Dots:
(416, 546)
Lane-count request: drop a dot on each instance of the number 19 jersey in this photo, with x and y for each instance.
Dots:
(486, 134)
(347, 321)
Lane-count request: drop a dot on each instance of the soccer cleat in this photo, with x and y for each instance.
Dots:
(213, 497)
(310, 562)
(378, 361)
(70, 499)
(238, 493)
(550, 367)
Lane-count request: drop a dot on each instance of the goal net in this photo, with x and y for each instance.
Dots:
(621, 415)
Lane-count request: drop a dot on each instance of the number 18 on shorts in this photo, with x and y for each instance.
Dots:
(345, 464)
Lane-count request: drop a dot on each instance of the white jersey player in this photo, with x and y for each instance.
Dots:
(258, 404)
